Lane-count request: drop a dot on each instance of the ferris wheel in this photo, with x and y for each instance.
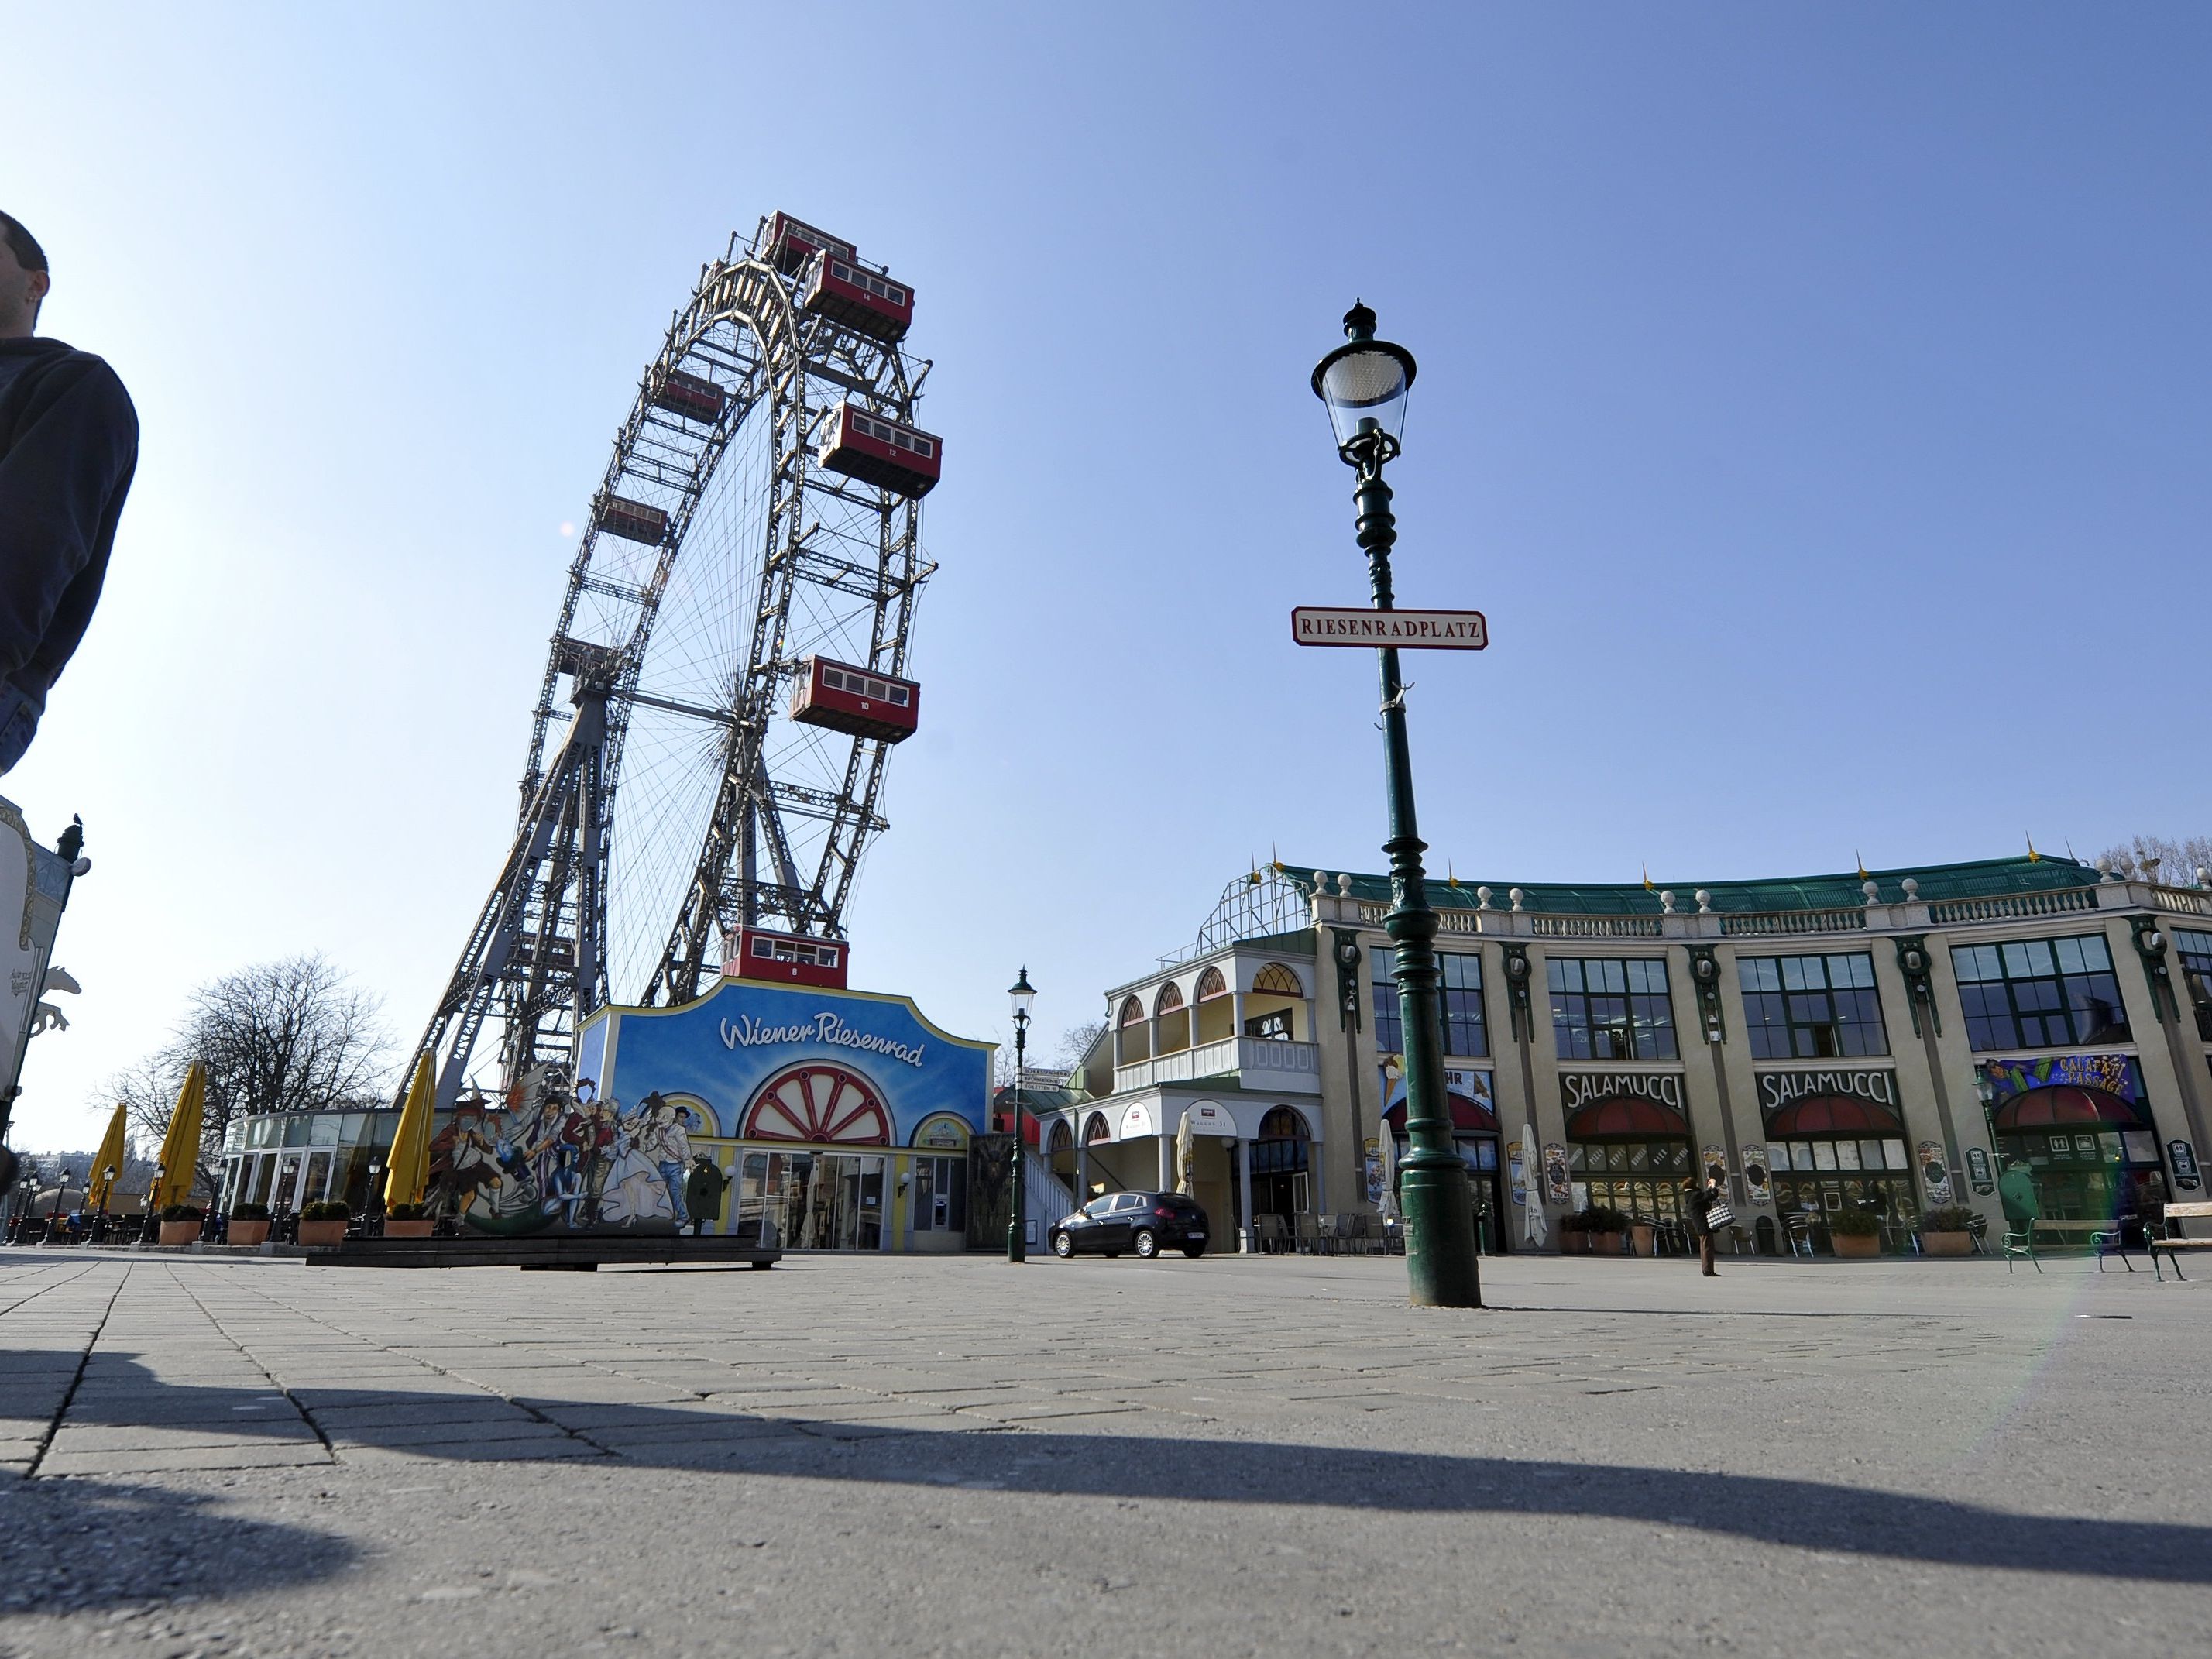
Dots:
(728, 671)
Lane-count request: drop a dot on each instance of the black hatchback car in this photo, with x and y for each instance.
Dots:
(1147, 1223)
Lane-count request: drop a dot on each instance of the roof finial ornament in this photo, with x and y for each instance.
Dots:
(1667, 900)
(1873, 893)
(1704, 903)
(1515, 893)
(1911, 885)
(1344, 884)
(1482, 897)
(1320, 884)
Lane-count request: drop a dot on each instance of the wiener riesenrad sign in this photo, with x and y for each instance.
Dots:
(1435, 630)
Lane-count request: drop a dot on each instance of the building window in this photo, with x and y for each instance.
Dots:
(2040, 993)
(1811, 1007)
(1389, 1031)
(2195, 949)
(1606, 1009)
(1459, 996)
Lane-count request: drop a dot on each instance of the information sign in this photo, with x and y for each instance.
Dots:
(1431, 630)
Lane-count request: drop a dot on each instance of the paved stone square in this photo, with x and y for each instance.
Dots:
(920, 1457)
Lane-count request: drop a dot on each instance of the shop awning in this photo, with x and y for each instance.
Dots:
(1468, 1116)
(1834, 1115)
(2040, 1108)
(1625, 1115)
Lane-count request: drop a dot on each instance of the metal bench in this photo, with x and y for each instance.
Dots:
(2173, 1244)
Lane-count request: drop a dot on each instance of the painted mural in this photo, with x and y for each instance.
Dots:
(820, 1086)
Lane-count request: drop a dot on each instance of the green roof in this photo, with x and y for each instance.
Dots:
(1985, 878)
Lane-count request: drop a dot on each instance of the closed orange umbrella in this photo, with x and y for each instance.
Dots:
(408, 1172)
(180, 1147)
(108, 1165)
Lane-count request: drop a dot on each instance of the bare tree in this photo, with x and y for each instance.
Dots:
(1076, 1041)
(2179, 862)
(279, 1037)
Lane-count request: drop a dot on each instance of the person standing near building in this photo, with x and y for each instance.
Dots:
(702, 1192)
(69, 446)
(1705, 1197)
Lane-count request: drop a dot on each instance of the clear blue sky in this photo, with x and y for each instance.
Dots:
(1814, 397)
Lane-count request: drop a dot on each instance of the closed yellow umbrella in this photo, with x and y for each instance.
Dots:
(110, 1158)
(408, 1171)
(180, 1147)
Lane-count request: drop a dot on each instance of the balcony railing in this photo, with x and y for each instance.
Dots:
(1271, 1063)
(2005, 905)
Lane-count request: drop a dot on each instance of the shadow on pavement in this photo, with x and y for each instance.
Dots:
(478, 1426)
(68, 1545)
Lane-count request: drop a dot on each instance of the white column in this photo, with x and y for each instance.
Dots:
(1244, 1193)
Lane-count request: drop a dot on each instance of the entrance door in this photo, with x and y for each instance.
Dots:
(816, 1201)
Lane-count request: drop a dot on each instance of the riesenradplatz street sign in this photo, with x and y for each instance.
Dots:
(1434, 630)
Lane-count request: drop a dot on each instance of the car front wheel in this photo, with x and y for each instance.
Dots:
(1062, 1245)
(1148, 1243)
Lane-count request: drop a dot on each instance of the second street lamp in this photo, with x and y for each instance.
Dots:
(1023, 994)
(1364, 383)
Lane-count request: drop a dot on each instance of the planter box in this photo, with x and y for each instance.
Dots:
(1605, 1244)
(177, 1232)
(418, 1228)
(1948, 1243)
(1645, 1240)
(322, 1232)
(1859, 1245)
(246, 1232)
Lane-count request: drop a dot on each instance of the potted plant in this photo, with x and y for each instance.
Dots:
(1854, 1232)
(249, 1224)
(1574, 1235)
(1606, 1227)
(407, 1221)
(1948, 1231)
(325, 1222)
(181, 1224)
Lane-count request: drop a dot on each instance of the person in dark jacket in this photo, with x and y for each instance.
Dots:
(1702, 1198)
(69, 443)
(702, 1192)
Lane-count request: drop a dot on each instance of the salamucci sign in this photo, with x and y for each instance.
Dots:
(1580, 1088)
(1779, 1088)
(1440, 630)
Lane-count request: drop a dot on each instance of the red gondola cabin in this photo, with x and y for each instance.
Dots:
(846, 293)
(792, 242)
(632, 520)
(899, 459)
(689, 396)
(859, 701)
(784, 958)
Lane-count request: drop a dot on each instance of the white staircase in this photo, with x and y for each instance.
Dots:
(1045, 1196)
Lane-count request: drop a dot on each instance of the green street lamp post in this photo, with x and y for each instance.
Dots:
(1364, 383)
(1017, 1243)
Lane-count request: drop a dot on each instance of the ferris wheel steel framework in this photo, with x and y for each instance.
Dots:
(536, 962)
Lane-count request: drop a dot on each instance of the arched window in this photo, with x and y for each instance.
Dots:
(1281, 1148)
(1063, 1138)
(1275, 980)
(1132, 1044)
(1216, 1017)
(1174, 1020)
(1095, 1130)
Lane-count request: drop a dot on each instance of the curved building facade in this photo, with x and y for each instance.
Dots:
(1884, 1041)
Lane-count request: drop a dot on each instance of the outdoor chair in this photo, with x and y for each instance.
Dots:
(1978, 1230)
(2020, 1238)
